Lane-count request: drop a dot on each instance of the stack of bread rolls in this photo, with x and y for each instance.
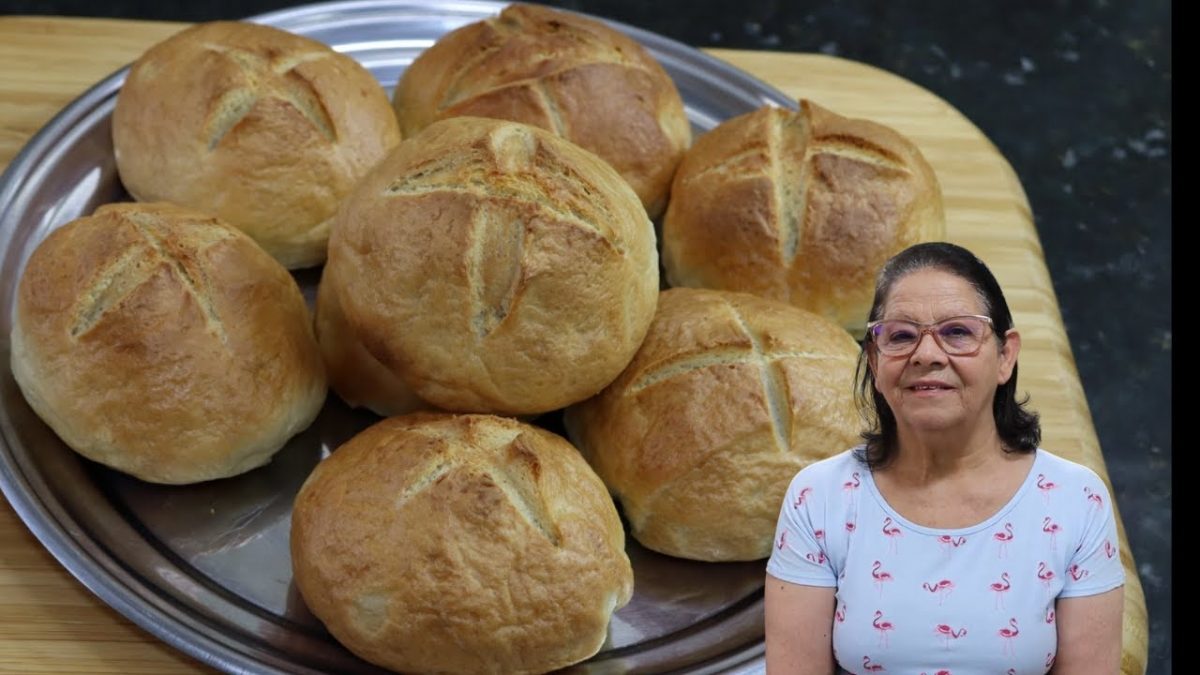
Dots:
(499, 261)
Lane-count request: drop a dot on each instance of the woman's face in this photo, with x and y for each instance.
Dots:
(928, 390)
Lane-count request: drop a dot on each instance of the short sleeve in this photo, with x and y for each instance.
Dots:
(798, 555)
(1095, 567)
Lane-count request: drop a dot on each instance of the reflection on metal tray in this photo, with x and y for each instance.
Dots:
(206, 567)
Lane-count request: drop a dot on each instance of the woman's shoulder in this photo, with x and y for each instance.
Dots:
(834, 470)
(1058, 470)
(820, 487)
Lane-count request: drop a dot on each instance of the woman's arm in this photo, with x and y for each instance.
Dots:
(1089, 634)
(799, 628)
(1091, 604)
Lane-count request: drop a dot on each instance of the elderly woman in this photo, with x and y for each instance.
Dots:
(949, 541)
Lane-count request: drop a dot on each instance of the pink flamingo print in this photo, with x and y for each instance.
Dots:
(949, 543)
(849, 525)
(800, 498)
(1007, 634)
(1077, 572)
(1045, 486)
(941, 588)
(840, 614)
(1094, 497)
(1049, 615)
(891, 532)
(1000, 588)
(940, 672)
(1109, 549)
(851, 485)
(883, 627)
(782, 540)
(1003, 538)
(871, 667)
(818, 557)
(880, 576)
(1011, 671)
(1050, 660)
(1051, 528)
(1045, 574)
(947, 633)
(818, 534)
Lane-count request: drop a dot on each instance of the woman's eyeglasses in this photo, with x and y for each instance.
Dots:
(957, 335)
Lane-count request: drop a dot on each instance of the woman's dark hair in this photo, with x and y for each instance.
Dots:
(1018, 428)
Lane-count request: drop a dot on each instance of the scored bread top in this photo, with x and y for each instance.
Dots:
(496, 267)
(801, 206)
(165, 343)
(460, 543)
(266, 129)
(728, 397)
(562, 72)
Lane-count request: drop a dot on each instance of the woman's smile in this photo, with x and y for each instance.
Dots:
(929, 390)
(929, 387)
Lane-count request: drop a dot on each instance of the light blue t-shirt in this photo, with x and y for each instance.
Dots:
(979, 599)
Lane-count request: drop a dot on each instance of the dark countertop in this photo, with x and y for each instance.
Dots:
(1077, 97)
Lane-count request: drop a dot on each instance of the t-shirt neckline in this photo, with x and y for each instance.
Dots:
(990, 521)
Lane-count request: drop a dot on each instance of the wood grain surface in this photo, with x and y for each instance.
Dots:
(50, 623)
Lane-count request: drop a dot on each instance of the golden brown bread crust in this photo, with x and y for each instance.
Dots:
(265, 129)
(359, 378)
(164, 343)
(800, 206)
(729, 396)
(494, 267)
(460, 544)
(564, 73)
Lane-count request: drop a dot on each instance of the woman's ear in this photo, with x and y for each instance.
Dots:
(1008, 356)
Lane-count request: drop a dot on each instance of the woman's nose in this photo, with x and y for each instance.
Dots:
(928, 350)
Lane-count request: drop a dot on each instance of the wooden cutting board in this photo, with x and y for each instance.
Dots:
(49, 623)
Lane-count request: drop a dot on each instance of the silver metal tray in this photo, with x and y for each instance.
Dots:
(205, 567)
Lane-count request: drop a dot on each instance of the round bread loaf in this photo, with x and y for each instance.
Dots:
(495, 267)
(447, 543)
(164, 343)
(562, 72)
(800, 206)
(729, 396)
(265, 129)
(357, 377)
